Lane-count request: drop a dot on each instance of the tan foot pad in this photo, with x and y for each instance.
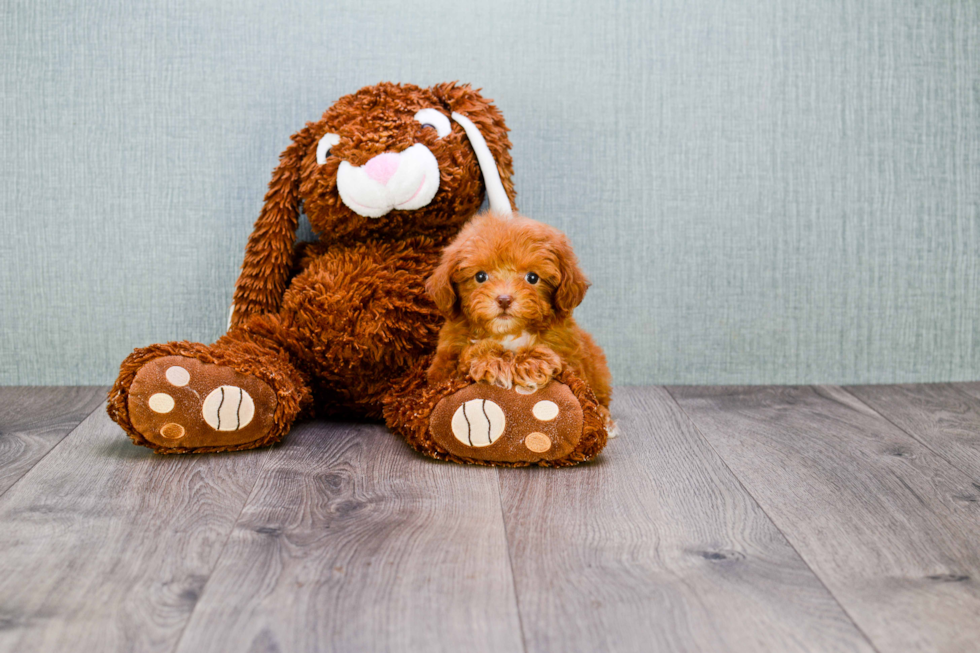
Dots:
(180, 402)
(484, 422)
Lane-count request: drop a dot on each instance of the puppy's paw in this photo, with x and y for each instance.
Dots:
(493, 370)
(535, 368)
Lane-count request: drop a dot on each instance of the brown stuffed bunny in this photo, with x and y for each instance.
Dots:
(386, 177)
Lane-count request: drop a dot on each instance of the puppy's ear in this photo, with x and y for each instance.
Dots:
(269, 252)
(573, 284)
(440, 286)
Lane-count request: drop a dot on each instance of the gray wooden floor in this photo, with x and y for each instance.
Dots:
(724, 519)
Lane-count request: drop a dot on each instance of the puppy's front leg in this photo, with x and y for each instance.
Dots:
(534, 367)
(489, 362)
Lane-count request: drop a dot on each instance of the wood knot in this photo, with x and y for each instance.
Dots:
(720, 555)
(949, 578)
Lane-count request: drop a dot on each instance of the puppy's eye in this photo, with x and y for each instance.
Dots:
(531, 278)
(323, 147)
(481, 277)
(435, 119)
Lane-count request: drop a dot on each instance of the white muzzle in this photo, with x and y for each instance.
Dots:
(403, 181)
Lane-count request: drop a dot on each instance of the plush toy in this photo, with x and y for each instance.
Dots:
(343, 326)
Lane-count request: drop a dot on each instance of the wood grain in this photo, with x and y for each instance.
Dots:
(657, 547)
(941, 416)
(972, 388)
(34, 419)
(106, 546)
(353, 542)
(888, 525)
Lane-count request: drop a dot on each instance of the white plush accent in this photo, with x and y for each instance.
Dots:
(412, 186)
(545, 410)
(323, 147)
(161, 402)
(499, 202)
(228, 408)
(178, 376)
(478, 423)
(525, 389)
(435, 118)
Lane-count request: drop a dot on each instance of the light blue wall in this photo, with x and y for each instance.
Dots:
(762, 192)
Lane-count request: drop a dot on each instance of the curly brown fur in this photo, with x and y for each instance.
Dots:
(508, 286)
(344, 319)
(373, 120)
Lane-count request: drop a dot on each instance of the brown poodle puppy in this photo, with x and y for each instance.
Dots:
(508, 286)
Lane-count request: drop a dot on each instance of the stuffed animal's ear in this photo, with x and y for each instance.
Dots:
(440, 285)
(269, 252)
(488, 121)
(573, 284)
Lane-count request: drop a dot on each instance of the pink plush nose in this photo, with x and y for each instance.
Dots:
(382, 167)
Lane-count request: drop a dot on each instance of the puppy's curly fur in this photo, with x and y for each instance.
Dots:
(508, 286)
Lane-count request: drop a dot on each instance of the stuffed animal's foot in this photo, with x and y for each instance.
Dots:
(181, 404)
(485, 423)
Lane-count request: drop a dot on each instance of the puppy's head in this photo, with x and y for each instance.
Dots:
(505, 275)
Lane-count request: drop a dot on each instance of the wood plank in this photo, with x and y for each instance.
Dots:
(656, 546)
(889, 526)
(971, 388)
(106, 545)
(353, 542)
(939, 415)
(34, 419)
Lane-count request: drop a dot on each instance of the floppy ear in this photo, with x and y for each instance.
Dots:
(488, 121)
(573, 285)
(440, 286)
(269, 252)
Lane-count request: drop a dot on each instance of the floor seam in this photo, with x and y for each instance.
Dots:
(510, 560)
(968, 474)
(57, 444)
(772, 521)
(224, 547)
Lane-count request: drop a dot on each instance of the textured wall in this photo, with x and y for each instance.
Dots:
(762, 192)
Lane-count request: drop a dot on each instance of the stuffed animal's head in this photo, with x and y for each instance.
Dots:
(396, 160)
(389, 161)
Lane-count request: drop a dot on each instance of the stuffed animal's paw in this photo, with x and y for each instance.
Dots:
(181, 404)
(495, 425)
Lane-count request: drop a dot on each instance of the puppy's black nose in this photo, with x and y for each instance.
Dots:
(503, 301)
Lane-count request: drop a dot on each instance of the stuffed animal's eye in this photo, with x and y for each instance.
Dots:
(481, 277)
(323, 147)
(435, 119)
(531, 278)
